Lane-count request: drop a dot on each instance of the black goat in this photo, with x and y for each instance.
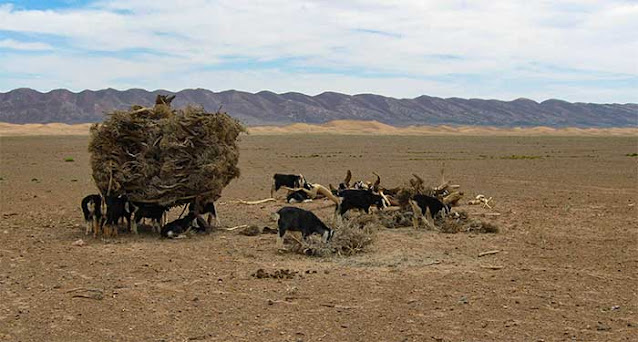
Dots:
(179, 226)
(297, 196)
(287, 180)
(427, 207)
(435, 206)
(206, 208)
(117, 207)
(92, 210)
(358, 199)
(154, 212)
(304, 221)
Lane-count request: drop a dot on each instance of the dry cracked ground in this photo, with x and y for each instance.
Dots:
(567, 267)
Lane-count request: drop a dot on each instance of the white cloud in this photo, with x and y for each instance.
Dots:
(418, 43)
(27, 46)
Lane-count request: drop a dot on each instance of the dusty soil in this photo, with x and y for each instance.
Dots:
(567, 267)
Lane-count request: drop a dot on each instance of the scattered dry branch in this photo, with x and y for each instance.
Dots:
(489, 253)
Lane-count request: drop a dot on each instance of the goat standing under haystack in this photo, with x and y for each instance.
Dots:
(165, 157)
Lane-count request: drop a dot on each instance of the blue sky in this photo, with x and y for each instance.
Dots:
(574, 50)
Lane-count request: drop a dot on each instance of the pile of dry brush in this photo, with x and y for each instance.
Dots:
(351, 237)
(461, 222)
(165, 156)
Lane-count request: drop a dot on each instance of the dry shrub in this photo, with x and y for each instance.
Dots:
(351, 236)
(450, 226)
(395, 218)
(251, 230)
(165, 156)
(355, 234)
(463, 223)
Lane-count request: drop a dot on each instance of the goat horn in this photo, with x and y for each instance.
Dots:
(421, 181)
(347, 180)
(377, 182)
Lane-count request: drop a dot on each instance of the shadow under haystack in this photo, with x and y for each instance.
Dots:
(165, 156)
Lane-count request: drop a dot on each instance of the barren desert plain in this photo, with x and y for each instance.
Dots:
(567, 266)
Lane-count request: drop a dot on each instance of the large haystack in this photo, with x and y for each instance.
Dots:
(165, 156)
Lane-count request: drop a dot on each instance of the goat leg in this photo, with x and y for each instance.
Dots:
(429, 220)
(134, 227)
(203, 224)
(134, 219)
(416, 214)
(96, 227)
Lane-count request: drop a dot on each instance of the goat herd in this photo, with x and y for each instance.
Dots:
(360, 195)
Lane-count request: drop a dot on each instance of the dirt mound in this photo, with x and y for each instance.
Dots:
(277, 274)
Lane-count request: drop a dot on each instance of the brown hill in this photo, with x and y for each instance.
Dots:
(266, 108)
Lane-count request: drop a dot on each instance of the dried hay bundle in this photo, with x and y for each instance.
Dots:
(351, 237)
(164, 156)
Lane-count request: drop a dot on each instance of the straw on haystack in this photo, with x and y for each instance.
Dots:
(165, 156)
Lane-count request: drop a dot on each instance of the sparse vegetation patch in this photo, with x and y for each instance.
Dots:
(351, 237)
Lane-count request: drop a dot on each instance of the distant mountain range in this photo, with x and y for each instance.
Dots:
(266, 108)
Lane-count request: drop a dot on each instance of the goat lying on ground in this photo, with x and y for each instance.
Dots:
(92, 210)
(358, 199)
(192, 221)
(297, 196)
(296, 219)
(179, 226)
(427, 207)
(147, 210)
(314, 191)
(286, 180)
(117, 207)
